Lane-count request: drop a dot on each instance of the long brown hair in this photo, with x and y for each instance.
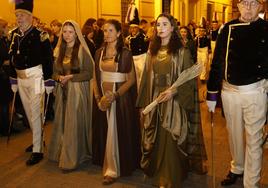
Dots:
(74, 58)
(120, 40)
(174, 42)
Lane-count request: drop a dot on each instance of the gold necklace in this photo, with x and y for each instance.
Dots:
(162, 54)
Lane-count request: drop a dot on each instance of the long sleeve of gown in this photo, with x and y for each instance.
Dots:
(131, 79)
(86, 71)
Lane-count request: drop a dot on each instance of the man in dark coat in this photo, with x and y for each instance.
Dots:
(31, 56)
(240, 64)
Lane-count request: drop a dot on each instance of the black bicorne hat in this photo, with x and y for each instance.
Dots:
(24, 5)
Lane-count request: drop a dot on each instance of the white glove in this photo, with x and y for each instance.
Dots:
(211, 105)
(49, 89)
(14, 84)
(49, 86)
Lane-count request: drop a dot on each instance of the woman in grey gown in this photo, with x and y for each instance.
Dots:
(73, 69)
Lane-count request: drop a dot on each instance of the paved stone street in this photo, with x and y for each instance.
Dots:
(14, 172)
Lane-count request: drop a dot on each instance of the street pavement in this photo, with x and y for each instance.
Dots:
(14, 172)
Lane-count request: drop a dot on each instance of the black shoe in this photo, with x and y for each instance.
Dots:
(34, 159)
(29, 148)
(231, 179)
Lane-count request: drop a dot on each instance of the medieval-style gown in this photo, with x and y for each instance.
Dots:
(172, 140)
(71, 139)
(116, 132)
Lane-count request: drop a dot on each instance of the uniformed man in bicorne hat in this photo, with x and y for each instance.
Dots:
(31, 56)
(240, 65)
(214, 32)
(132, 13)
(138, 44)
(203, 49)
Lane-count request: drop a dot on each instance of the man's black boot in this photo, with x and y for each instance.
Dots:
(34, 159)
(231, 179)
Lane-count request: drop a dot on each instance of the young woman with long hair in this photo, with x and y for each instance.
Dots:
(172, 130)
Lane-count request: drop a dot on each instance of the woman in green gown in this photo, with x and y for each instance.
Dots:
(172, 140)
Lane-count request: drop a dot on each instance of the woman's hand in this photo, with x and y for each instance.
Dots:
(64, 79)
(104, 103)
(110, 96)
(166, 95)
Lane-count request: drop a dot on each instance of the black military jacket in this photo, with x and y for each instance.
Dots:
(202, 42)
(31, 49)
(214, 34)
(241, 54)
(139, 44)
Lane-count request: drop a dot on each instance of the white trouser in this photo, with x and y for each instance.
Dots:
(31, 90)
(245, 108)
(213, 44)
(139, 62)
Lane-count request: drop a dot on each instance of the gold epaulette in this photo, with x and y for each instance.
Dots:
(44, 36)
(9, 35)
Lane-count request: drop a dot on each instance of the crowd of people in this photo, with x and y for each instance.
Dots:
(104, 74)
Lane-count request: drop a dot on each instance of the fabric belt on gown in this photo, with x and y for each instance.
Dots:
(111, 161)
(113, 77)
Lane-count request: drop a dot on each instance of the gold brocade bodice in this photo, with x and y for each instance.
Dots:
(162, 68)
(67, 61)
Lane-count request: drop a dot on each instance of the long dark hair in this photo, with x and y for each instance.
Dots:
(174, 42)
(189, 34)
(120, 40)
(74, 58)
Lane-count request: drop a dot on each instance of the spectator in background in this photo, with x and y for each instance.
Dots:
(55, 26)
(36, 22)
(88, 34)
(150, 31)
(144, 26)
(192, 26)
(89, 22)
(188, 41)
(5, 91)
(98, 32)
